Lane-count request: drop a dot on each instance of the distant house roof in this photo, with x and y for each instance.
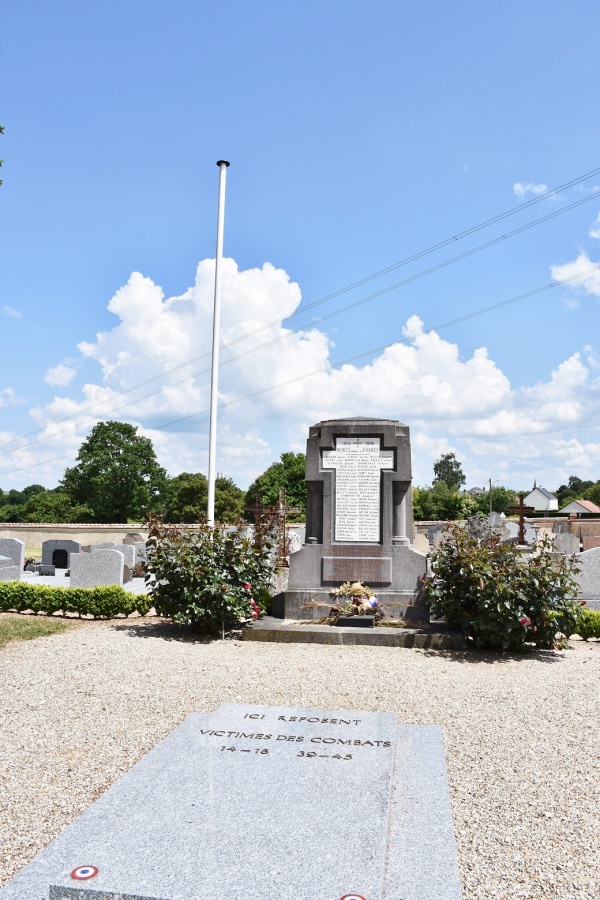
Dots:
(581, 506)
(546, 493)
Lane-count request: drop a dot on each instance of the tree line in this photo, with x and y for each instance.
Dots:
(117, 478)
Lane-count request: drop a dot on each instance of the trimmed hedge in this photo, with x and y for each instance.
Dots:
(100, 602)
(589, 626)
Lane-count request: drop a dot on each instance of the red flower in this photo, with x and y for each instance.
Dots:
(583, 602)
(524, 620)
(246, 585)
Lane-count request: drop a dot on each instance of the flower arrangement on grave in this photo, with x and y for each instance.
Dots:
(358, 599)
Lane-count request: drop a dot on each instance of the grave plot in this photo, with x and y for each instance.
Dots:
(265, 803)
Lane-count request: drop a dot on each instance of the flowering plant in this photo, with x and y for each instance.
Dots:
(500, 600)
(211, 579)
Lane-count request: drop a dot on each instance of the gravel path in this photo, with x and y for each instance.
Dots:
(522, 735)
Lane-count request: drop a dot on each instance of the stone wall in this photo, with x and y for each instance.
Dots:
(34, 534)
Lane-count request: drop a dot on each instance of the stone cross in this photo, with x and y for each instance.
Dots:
(358, 462)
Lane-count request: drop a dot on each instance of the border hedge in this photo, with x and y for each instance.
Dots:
(589, 626)
(100, 602)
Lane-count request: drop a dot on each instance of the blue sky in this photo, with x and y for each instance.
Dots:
(359, 135)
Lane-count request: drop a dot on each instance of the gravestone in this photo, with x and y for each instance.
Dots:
(15, 550)
(133, 537)
(8, 571)
(566, 543)
(49, 549)
(127, 551)
(359, 520)
(141, 553)
(588, 578)
(96, 569)
(265, 803)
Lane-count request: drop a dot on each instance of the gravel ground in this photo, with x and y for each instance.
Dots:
(80, 708)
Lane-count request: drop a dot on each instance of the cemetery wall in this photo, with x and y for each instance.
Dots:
(34, 535)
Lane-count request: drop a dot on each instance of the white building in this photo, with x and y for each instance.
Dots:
(541, 499)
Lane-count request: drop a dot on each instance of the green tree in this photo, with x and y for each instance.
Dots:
(502, 499)
(288, 473)
(187, 498)
(593, 493)
(441, 503)
(574, 490)
(13, 501)
(54, 506)
(448, 470)
(117, 475)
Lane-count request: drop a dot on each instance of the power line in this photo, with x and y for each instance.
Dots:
(403, 262)
(331, 315)
(350, 359)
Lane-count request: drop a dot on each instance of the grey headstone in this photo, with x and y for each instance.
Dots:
(46, 570)
(266, 803)
(8, 572)
(133, 538)
(566, 543)
(589, 577)
(94, 569)
(49, 548)
(127, 576)
(14, 549)
(512, 528)
(126, 550)
(141, 554)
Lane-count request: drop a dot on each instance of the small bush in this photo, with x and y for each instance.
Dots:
(210, 579)
(489, 592)
(100, 602)
(589, 625)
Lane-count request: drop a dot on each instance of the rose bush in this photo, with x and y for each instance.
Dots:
(499, 599)
(210, 579)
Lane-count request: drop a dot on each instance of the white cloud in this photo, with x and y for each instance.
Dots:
(60, 375)
(522, 188)
(452, 402)
(584, 272)
(11, 311)
(594, 231)
(8, 397)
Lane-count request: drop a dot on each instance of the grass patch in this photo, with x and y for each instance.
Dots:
(15, 628)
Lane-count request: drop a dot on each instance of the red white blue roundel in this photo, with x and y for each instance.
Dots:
(352, 897)
(82, 873)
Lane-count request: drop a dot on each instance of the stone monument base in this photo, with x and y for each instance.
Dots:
(395, 574)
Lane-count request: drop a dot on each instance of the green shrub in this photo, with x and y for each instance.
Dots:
(589, 625)
(211, 579)
(500, 600)
(100, 602)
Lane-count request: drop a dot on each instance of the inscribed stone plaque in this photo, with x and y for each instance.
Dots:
(264, 803)
(358, 462)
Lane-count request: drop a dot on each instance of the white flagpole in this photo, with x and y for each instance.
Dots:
(214, 379)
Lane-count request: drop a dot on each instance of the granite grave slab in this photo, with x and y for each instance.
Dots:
(8, 572)
(265, 803)
(588, 578)
(95, 569)
(15, 550)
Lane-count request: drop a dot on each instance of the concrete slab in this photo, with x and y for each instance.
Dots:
(285, 631)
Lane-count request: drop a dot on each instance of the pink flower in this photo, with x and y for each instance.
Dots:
(524, 620)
